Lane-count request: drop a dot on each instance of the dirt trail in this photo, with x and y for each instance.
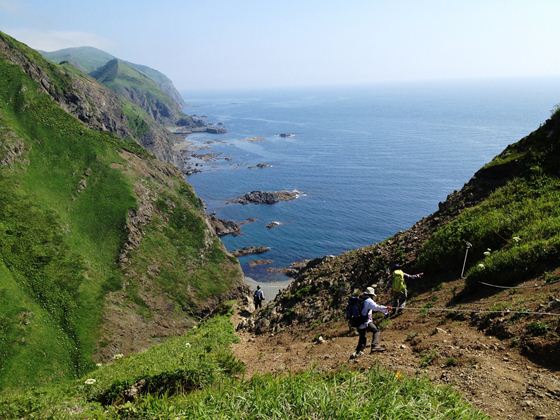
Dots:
(488, 372)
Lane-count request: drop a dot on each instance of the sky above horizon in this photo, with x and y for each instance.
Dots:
(221, 44)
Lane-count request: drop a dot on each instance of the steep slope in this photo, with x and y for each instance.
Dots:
(139, 89)
(103, 248)
(508, 211)
(164, 83)
(87, 59)
(82, 96)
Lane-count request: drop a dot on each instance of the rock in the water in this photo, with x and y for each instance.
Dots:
(250, 250)
(266, 197)
(224, 227)
(273, 224)
(254, 263)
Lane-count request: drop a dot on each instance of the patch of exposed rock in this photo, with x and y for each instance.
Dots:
(255, 263)
(224, 227)
(135, 221)
(266, 197)
(250, 250)
(11, 148)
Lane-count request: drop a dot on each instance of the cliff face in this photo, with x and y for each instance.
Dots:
(91, 102)
(104, 249)
(139, 89)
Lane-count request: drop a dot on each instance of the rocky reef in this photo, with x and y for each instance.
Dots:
(266, 197)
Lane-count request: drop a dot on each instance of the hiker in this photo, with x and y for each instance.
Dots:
(258, 297)
(368, 306)
(398, 287)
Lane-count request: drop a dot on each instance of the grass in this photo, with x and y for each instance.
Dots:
(538, 328)
(196, 376)
(122, 78)
(63, 212)
(520, 222)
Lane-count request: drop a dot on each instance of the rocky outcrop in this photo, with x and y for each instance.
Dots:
(224, 227)
(135, 222)
(11, 148)
(250, 250)
(264, 197)
(255, 263)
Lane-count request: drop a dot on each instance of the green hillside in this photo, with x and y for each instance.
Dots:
(138, 88)
(86, 59)
(94, 230)
(164, 83)
(89, 59)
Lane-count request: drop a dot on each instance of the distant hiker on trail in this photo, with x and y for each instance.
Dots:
(399, 291)
(360, 315)
(258, 297)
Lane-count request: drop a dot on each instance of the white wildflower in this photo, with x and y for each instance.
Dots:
(481, 266)
(486, 253)
(516, 238)
(118, 356)
(99, 364)
(187, 345)
(488, 250)
(90, 381)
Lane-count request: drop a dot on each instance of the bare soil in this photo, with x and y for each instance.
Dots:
(492, 374)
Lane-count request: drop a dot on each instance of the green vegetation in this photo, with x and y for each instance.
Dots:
(67, 194)
(538, 328)
(451, 362)
(59, 244)
(428, 357)
(519, 221)
(137, 87)
(86, 59)
(196, 376)
(89, 59)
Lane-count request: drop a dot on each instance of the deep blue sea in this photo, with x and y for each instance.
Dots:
(370, 160)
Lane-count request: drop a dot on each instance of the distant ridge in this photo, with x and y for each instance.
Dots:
(89, 59)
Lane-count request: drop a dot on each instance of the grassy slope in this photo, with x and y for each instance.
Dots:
(86, 58)
(89, 59)
(515, 231)
(196, 376)
(64, 207)
(133, 84)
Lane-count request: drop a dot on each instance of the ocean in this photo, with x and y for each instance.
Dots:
(369, 160)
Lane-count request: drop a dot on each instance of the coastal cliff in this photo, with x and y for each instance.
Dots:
(104, 249)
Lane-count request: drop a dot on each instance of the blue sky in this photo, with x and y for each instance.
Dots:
(265, 43)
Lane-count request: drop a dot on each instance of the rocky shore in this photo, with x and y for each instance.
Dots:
(266, 197)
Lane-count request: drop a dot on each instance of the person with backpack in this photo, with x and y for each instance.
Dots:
(258, 298)
(360, 313)
(399, 291)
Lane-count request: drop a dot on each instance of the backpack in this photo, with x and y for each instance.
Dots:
(354, 311)
(257, 296)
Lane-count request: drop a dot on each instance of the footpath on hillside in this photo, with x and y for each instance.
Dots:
(487, 371)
